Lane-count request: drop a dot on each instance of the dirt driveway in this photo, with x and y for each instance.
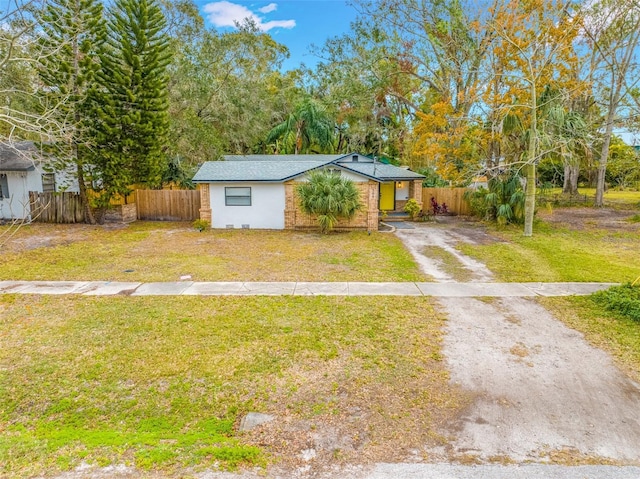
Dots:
(541, 392)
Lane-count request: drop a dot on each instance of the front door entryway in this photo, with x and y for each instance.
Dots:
(387, 196)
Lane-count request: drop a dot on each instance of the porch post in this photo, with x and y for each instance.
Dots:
(205, 203)
(416, 194)
(372, 206)
(289, 206)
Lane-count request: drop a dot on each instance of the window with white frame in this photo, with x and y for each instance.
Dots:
(4, 186)
(237, 196)
(48, 183)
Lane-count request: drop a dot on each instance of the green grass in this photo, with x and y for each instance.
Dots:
(147, 251)
(612, 332)
(611, 197)
(624, 300)
(561, 254)
(160, 383)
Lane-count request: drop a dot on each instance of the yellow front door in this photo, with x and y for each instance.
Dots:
(387, 196)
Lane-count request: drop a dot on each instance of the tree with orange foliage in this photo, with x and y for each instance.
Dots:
(448, 141)
(441, 47)
(536, 42)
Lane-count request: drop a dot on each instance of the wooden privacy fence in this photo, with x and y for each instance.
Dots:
(168, 205)
(453, 197)
(56, 207)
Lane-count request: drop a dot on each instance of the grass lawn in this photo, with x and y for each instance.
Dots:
(611, 197)
(148, 251)
(160, 383)
(611, 332)
(556, 253)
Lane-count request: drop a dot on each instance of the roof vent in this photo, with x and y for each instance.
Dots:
(354, 158)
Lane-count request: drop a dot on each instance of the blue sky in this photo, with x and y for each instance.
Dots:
(294, 23)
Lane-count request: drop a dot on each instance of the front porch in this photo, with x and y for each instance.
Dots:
(391, 216)
(393, 196)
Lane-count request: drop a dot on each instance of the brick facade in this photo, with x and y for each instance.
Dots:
(294, 218)
(121, 214)
(365, 219)
(205, 202)
(415, 191)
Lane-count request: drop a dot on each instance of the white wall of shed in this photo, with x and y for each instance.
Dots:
(19, 183)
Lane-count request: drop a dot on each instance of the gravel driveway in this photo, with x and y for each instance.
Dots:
(541, 392)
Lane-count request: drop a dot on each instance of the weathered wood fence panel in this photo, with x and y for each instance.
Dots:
(453, 197)
(56, 207)
(168, 205)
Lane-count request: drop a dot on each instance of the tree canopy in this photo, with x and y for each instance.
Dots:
(459, 88)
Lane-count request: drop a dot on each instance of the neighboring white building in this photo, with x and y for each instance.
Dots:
(23, 169)
(258, 191)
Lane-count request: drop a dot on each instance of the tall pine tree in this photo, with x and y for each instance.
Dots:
(131, 99)
(71, 32)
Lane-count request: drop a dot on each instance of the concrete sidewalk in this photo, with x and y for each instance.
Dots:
(238, 288)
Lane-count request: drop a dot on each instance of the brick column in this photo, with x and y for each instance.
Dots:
(372, 206)
(289, 205)
(205, 202)
(417, 192)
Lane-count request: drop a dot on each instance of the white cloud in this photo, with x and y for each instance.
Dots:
(227, 14)
(272, 7)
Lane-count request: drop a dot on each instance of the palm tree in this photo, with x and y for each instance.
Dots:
(330, 197)
(502, 202)
(565, 135)
(307, 126)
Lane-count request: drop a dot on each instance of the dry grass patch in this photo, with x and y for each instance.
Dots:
(161, 382)
(448, 263)
(148, 251)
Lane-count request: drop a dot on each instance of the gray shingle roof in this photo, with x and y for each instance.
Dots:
(19, 156)
(252, 170)
(325, 158)
(382, 171)
(278, 168)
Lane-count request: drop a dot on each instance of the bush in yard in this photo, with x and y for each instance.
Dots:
(330, 197)
(624, 299)
(412, 208)
(201, 225)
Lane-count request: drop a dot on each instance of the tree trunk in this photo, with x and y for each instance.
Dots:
(529, 198)
(298, 146)
(530, 167)
(84, 198)
(602, 164)
(614, 100)
(570, 185)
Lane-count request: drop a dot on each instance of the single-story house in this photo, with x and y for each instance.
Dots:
(259, 191)
(23, 169)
